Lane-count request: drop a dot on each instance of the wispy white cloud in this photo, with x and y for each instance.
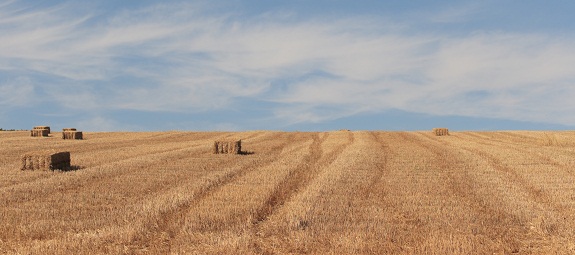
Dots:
(16, 92)
(186, 57)
(522, 74)
(102, 123)
(456, 13)
(518, 76)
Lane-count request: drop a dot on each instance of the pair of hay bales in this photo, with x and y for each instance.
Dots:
(228, 147)
(67, 133)
(46, 160)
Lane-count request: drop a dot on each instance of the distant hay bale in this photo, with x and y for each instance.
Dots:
(77, 135)
(68, 129)
(42, 127)
(45, 160)
(440, 131)
(228, 147)
(39, 132)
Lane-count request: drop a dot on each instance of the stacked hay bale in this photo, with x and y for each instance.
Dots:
(46, 160)
(228, 147)
(39, 131)
(440, 131)
(43, 127)
(71, 133)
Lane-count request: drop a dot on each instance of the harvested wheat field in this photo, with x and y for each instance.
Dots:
(359, 192)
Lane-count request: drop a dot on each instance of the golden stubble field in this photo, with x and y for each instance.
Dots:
(340, 192)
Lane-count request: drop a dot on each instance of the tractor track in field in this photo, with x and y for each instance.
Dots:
(498, 165)
(542, 159)
(293, 182)
(393, 213)
(538, 195)
(171, 221)
(534, 193)
(301, 176)
(381, 165)
(514, 138)
(514, 146)
(297, 180)
(460, 186)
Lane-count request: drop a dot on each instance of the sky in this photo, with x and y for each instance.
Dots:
(287, 65)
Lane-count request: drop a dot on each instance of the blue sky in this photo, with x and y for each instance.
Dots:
(287, 65)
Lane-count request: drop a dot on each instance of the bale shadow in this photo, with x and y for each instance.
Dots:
(70, 169)
(246, 152)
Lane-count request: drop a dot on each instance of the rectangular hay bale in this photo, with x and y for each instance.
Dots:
(228, 147)
(39, 132)
(68, 129)
(72, 135)
(440, 131)
(42, 127)
(45, 160)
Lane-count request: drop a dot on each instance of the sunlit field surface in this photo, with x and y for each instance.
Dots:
(340, 192)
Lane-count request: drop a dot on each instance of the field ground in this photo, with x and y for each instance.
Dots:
(340, 192)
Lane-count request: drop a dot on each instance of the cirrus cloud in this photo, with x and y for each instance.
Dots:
(182, 57)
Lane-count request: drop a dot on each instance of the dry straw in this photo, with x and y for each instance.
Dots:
(39, 132)
(228, 147)
(42, 127)
(68, 129)
(46, 160)
(440, 131)
(72, 135)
